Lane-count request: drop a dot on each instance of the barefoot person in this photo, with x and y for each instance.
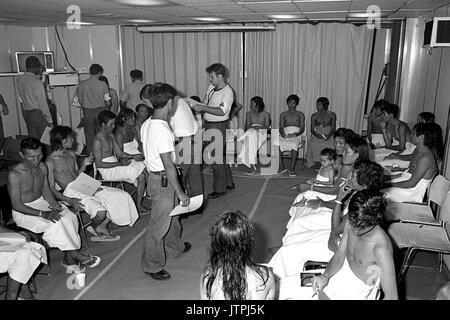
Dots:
(105, 206)
(107, 154)
(292, 125)
(127, 135)
(364, 260)
(35, 207)
(162, 238)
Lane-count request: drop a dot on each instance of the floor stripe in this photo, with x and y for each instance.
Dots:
(104, 271)
(258, 200)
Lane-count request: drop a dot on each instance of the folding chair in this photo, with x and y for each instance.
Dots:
(287, 154)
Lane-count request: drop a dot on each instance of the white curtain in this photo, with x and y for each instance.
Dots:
(180, 59)
(327, 59)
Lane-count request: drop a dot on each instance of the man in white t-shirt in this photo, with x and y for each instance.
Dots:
(188, 147)
(162, 238)
(216, 107)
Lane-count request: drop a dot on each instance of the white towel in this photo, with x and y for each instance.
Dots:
(287, 144)
(62, 234)
(415, 194)
(252, 140)
(131, 147)
(127, 173)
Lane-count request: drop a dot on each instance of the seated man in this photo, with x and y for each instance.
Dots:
(396, 134)
(292, 125)
(35, 208)
(127, 136)
(315, 236)
(364, 259)
(19, 258)
(257, 122)
(105, 146)
(413, 183)
(107, 204)
(374, 130)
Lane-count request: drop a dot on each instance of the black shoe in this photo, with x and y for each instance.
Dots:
(231, 187)
(216, 194)
(187, 247)
(161, 275)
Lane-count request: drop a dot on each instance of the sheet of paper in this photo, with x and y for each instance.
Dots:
(86, 184)
(45, 139)
(11, 241)
(195, 203)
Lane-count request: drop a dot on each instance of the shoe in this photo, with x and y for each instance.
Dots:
(231, 187)
(187, 247)
(292, 174)
(161, 275)
(280, 172)
(216, 194)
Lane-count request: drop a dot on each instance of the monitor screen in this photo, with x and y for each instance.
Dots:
(45, 57)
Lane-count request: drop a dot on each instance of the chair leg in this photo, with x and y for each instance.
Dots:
(406, 262)
(441, 261)
(33, 283)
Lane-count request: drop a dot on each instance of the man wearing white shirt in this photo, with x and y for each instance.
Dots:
(189, 146)
(93, 96)
(217, 106)
(162, 238)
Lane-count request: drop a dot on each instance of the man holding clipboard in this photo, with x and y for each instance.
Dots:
(162, 237)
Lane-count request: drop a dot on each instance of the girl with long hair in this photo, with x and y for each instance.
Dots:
(230, 273)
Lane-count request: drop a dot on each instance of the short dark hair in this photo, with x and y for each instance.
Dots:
(359, 145)
(141, 105)
(160, 93)
(369, 174)
(124, 115)
(293, 97)
(379, 104)
(427, 117)
(32, 62)
(104, 79)
(136, 74)
(197, 98)
(30, 143)
(329, 153)
(104, 116)
(343, 133)
(57, 135)
(217, 68)
(324, 102)
(432, 137)
(391, 108)
(366, 209)
(95, 68)
(259, 103)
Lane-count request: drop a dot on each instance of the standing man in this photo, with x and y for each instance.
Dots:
(93, 96)
(33, 98)
(130, 96)
(217, 106)
(5, 112)
(162, 238)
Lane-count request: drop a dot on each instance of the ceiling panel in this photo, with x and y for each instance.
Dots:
(425, 4)
(362, 5)
(272, 7)
(326, 15)
(201, 2)
(247, 17)
(224, 9)
(408, 13)
(177, 11)
(324, 6)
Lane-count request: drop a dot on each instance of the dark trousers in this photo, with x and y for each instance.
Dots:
(222, 176)
(35, 122)
(162, 238)
(192, 179)
(2, 135)
(89, 123)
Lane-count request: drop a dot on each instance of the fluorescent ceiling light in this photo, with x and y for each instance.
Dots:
(262, 2)
(204, 28)
(283, 16)
(82, 23)
(143, 3)
(140, 20)
(368, 15)
(208, 19)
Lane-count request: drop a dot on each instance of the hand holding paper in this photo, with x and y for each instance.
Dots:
(194, 204)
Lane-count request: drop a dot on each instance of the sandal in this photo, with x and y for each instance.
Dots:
(92, 262)
(104, 238)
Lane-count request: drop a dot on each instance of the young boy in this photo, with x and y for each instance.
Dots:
(326, 173)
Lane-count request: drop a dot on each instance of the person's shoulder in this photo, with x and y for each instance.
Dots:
(382, 241)
(283, 113)
(43, 167)
(71, 153)
(15, 170)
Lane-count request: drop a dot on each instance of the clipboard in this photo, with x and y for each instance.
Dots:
(85, 184)
(195, 203)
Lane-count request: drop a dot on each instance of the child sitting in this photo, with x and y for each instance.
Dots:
(324, 178)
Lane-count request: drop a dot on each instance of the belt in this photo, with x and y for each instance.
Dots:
(158, 172)
(217, 121)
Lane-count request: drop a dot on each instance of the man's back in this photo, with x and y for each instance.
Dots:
(91, 93)
(131, 94)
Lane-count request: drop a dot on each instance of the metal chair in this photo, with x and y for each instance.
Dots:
(287, 154)
(425, 234)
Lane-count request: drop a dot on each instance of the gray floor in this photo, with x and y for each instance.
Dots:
(119, 276)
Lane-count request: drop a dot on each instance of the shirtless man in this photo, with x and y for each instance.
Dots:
(143, 112)
(323, 125)
(106, 148)
(393, 128)
(364, 259)
(107, 204)
(413, 183)
(127, 136)
(36, 209)
(374, 131)
(292, 125)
